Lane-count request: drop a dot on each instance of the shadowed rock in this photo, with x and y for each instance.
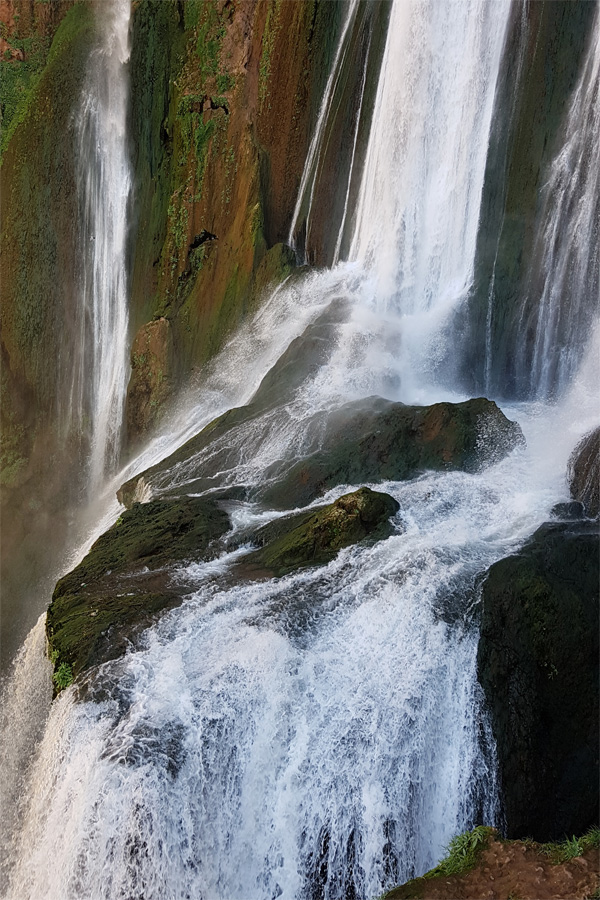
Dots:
(583, 472)
(538, 665)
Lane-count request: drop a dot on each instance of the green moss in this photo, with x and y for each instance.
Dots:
(96, 608)
(20, 79)
(315, 537)
(268, 46)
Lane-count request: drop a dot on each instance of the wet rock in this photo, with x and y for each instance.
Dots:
(538, 665)
(365, 441)
(376, 440)
(151, 381)
(584, 472)
(121, 584)
(315, 537)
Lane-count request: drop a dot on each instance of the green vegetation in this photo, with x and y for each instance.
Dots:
(463, 852)
(20, 77)
(63, 677)
(562, 851)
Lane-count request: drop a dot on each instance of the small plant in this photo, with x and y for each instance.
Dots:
(463, 852)
(63, 676)
(562, 851)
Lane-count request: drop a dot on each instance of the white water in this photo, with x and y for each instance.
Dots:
(319, 735)
(100, 367)
(566, 257)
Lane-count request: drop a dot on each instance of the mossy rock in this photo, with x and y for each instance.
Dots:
(316, 536)
(538, 665)
(121, 584)
(370, 440)
(377, 440)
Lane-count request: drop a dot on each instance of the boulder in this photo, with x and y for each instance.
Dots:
(370, 440)
(583, 472)
(538, 666)
(315, 537)
(377, 440)
(121, 584)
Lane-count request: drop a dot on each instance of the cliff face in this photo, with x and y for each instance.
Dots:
(224, 96)
(38, 241)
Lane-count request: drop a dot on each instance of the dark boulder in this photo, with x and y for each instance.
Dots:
(122, 583)
(315, 537)
(376, 440)
(538, 665)
(583, 472)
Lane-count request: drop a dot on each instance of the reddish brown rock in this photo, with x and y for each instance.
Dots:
(150, 384)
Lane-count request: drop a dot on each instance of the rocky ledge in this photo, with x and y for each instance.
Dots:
(372, 440)
(121, 584)
(126, 580)
(316, 536)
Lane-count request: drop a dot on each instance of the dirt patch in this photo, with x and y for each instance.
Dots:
(513, 870)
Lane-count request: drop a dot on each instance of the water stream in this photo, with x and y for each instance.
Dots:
(99, 366)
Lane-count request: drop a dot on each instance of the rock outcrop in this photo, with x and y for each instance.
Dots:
(583, 473)
(116, 590)
(377, 440)
(497, 869)
(366, 441)
(538, 665)
(316, 536)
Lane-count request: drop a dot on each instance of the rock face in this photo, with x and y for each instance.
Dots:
(151, 381)
(314, 538)
(545, 46)
(584, 472)
(371, 440)
(384, 440)
(98, 607)
(538, 665)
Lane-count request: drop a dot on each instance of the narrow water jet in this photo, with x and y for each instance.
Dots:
(99, 367)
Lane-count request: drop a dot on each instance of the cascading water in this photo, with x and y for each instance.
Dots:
(320, 735)
(100, 366)
(563, 293)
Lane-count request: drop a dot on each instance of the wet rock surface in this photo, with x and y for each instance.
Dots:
(121, 584)
(584, 472)
(538, 665)
(314, 537)
(378, 440)
(367, 441)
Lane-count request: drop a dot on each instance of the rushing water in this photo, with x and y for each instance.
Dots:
(319, 735)
(99, 367)
(566, 257)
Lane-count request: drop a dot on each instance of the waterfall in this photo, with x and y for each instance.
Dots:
(100, 366)
(309, 174)
(320, 736)
(562, 297)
